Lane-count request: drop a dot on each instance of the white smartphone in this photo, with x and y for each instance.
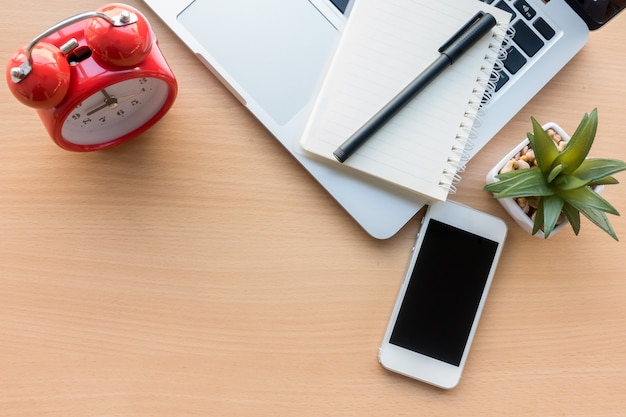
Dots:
(443, 294)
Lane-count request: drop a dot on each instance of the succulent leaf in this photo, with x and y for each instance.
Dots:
(599, 219)
(552, 206)
(604, 181)
(555, 172)
(573, 217)
(595, 169)
(569, 182)
(526, 182)
(585, 197)
(543, 145)
(580, 143)
(538, 224)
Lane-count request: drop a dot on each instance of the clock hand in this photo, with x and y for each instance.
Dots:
(124, 99)
(107, 97)
(109, 101)
(112, 102)
(97, 109)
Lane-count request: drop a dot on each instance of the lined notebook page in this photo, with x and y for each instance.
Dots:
(383, 47)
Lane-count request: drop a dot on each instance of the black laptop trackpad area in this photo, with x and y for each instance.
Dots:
(274, 49)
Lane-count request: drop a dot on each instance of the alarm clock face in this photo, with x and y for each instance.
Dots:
(115, 111)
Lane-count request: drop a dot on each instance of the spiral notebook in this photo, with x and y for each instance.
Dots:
(383, 47)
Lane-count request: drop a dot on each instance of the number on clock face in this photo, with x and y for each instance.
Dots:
(115, 111)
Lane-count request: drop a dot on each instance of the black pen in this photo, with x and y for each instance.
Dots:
(477, 27)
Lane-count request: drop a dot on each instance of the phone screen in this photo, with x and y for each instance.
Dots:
(444, 292)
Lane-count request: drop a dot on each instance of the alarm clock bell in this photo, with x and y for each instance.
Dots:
(96, 79)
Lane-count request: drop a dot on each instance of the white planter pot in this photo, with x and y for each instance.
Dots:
(509, 204)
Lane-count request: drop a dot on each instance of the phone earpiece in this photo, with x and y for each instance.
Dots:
(41, 78)
(126, 43)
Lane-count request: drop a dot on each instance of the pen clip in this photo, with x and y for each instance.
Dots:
(462, 31)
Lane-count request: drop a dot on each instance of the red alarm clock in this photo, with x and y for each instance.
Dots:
(97, 79)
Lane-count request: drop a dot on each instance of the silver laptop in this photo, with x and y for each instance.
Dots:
(271, 54)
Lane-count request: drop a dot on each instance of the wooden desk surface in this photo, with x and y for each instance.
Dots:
(199, 271)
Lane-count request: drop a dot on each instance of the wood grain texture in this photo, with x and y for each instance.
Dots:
(198, 270)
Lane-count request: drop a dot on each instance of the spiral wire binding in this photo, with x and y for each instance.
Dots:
(468, 130)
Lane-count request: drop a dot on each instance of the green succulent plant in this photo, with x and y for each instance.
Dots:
(563, 180)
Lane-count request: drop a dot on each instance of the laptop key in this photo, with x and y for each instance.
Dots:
(514, 60)
(525, 9)
(340, 4)
(503, 6)
(501, 81)
(526, 38)
(544, 28)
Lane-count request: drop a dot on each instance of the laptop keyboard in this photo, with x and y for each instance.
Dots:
(532, 33)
